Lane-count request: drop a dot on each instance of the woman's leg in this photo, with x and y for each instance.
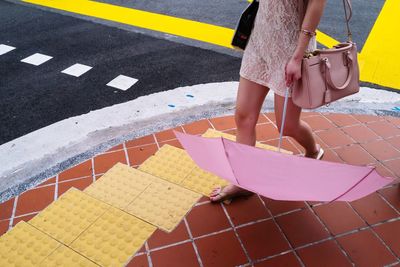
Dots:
(294, 126)
(250, 98)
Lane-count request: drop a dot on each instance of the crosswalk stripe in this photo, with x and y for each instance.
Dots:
(5, 49)
(122, 82)
(77, 70)
(36, 59)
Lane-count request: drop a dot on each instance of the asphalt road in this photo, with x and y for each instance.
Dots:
(34, 97)
(225, 13)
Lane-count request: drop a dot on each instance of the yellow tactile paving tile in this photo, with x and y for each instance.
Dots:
(25, 245)
(175, 165)
(113, 239)
(169, 163)
(169, 150)
(211, 133)
(202, 181)
(66, 218)
(120, 185)
(66, 257)
(163, 204)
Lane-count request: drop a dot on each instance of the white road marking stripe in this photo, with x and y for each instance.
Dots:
(77, 70)
(5, 49)
(36, 59)
(122, 82)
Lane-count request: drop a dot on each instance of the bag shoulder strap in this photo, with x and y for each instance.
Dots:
(348, 12)
(347, 3)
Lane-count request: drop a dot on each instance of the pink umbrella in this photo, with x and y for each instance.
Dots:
(281, 176)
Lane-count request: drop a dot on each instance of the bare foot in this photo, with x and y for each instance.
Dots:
(227, 193)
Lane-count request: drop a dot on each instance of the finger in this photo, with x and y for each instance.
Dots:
(289, 79)
(286, 77)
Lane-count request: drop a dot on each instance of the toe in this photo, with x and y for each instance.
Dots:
(215, 192)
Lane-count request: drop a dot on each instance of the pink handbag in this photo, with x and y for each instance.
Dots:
(328, 74)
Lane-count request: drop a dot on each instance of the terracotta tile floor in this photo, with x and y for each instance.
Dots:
(258, 231)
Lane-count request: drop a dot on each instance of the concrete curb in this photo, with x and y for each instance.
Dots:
(41, 154)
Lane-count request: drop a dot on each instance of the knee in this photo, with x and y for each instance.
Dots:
(245, 119)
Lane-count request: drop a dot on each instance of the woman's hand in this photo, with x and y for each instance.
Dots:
(292, 71)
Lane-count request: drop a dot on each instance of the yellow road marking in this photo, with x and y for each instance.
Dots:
(200, 31)
(177, 26)
(325, 39)
(378, 60)
(380, 57)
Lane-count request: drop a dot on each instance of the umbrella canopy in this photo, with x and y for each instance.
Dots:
(280, 176)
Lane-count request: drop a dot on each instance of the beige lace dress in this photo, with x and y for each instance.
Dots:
(272, 43)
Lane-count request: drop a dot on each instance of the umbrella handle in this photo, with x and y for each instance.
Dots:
(283, 118)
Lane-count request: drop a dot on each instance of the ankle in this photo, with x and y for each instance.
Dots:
(314, 153)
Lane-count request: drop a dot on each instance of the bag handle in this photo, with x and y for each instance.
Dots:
(327, 69)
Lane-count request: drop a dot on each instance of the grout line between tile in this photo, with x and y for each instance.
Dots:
(56, 188)
(139, 254)
(93, 172)
(212, 125)
(338, 126)
(213, 233)
(146, 245)
(109, 152)
(27, 214)
(265, 116)
(366, 227)
(273, 256)
(371, 227)
(170, 245)
(294, 145)
(253, 222)
(283, 234)
(288, 212)
(386, 245)
(202, 203)
(193, 243)
(183, 129)
(376, 234)
(393, 264)
(126, 154)
(236, 233)
(386, 160)
(327, 230)
(387, 202)
(70, 180)
(13, 212)
(379, 160)
(314, 243)
(40, 185)
(156, 141)
(285, 252)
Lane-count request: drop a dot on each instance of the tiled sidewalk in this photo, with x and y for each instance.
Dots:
(258, 230)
